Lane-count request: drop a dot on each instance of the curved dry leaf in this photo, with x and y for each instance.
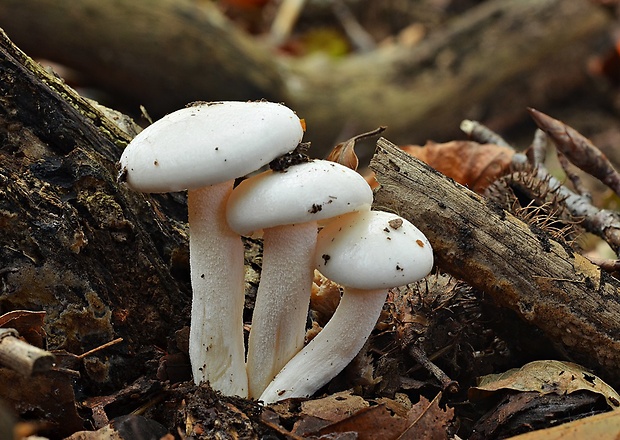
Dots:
(546, 377)
(28, 323)
(469, 163)
(335, 407)
(604, 426)
(344, 153)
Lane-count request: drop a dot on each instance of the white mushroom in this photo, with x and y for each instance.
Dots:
(367, 253)
(203, 148)
(287, 206)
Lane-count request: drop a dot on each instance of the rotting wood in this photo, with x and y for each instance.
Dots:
(97, 257)
(571, 300)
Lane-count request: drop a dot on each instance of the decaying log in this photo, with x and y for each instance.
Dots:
(571, 300)
(488, 63)
(98, 258)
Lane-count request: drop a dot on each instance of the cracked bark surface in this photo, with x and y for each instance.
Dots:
(547, 284)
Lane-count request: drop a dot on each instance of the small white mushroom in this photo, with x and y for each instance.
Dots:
(287, 206)
(203, 148)
(367, 253)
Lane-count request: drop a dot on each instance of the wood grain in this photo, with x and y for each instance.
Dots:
(547, 284)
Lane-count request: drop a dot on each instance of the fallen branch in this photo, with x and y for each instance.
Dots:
(22, 357)
(543, 281)
(500, 51)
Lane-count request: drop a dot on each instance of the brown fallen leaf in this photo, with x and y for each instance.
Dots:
(387, 420)
(427, 421)
(344, 152)
(546, 377)
(604, 426)
(30, 396)
(467, 162)
(29, 325)
(372, 423)
(335, 407)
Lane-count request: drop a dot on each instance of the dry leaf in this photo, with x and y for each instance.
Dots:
(334, 408)
(344, 153)
(28, 324)
(546, 377)
(372, 423)
(388, 420)
(427, 421)
(31, 397)
(324, 298)
(600, 427)
(469, 163)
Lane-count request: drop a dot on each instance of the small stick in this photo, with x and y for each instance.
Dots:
(573, 177)
(537, 153)
(359, 37)
(482, 134)
(421, 357)
(22, 357)
(285, 20)
(101, 347)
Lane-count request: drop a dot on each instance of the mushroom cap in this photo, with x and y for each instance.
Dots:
(373, 250)
(208, 143)
(310, 191)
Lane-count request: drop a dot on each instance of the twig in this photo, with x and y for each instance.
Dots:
(21, 356)
(573, 177)
(482, 134)
(285, 19)
(361, 40)
(601, 222)
(420, 356)
(101, 347)
(537, 153)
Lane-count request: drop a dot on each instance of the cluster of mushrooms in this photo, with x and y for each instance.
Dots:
(203, 149)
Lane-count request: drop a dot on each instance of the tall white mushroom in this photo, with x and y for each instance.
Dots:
(287, 206)
(203, 148)
(367, 253)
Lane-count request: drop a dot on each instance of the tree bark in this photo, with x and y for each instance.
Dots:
(95, 256)
(547, 284)
(487, 64)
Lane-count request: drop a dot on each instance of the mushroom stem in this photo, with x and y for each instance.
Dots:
(216, 347)
(282, 300)
(332, 349)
